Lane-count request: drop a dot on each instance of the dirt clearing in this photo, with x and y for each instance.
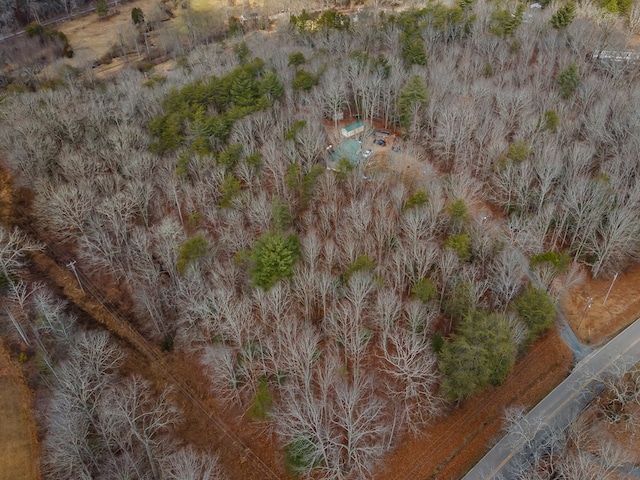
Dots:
(18, 444)
(594, 320)
(92, 37)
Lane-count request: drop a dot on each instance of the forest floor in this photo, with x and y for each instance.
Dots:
(455, 442)
(597, 323)
(452, 444)
(19, 459)
(594, 320)
(447, 449)
(601, 430)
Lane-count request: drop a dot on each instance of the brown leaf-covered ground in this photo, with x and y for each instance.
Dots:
(456, 442)
(602, 319)
(448, 448)
(18, 440)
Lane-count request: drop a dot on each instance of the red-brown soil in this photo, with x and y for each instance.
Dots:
(602, 319)
(19, 459)
(448, 448)
(456, 442)
(599, 430)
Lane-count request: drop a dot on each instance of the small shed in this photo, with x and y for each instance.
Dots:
(353, 129)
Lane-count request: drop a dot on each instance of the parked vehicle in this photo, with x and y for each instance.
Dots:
(380, 142)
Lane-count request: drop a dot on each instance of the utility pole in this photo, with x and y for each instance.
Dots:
(72, 266)
(586, 309)
(610, 287)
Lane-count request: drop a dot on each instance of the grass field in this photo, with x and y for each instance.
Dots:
(18, 448)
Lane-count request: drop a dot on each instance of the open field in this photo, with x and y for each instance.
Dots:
(92, 37)
(18, 445)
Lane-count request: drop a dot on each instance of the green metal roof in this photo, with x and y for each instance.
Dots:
(349, 149)
(354, 126)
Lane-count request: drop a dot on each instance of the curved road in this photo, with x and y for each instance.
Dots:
(558, 408)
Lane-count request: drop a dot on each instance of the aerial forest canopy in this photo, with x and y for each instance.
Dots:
(344, 308)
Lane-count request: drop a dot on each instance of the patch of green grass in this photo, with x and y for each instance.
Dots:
(262, 401)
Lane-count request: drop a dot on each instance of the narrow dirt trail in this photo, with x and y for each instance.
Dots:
(205, 423)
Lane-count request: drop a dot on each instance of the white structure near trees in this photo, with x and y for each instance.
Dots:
(353, 129)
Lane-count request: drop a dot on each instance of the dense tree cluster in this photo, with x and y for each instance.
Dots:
(207, 110)
(336, 305)
(481, 354)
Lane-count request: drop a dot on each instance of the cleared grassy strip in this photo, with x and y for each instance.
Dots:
(18, 444)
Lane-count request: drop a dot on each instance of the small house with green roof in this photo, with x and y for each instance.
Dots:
(353, 129)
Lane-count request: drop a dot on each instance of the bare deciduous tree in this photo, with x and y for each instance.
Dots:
(412, 367)
(13, 247)
(189, 464)
(508, 272)
(133, 417)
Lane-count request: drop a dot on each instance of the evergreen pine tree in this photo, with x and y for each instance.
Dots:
(564, 16)
(244, 90)
(413, 94)
(102, 9)
(569, 80)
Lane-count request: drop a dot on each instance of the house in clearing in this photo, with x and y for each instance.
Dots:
(353, 129)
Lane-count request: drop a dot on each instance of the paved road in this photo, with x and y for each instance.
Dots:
(558, 408)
